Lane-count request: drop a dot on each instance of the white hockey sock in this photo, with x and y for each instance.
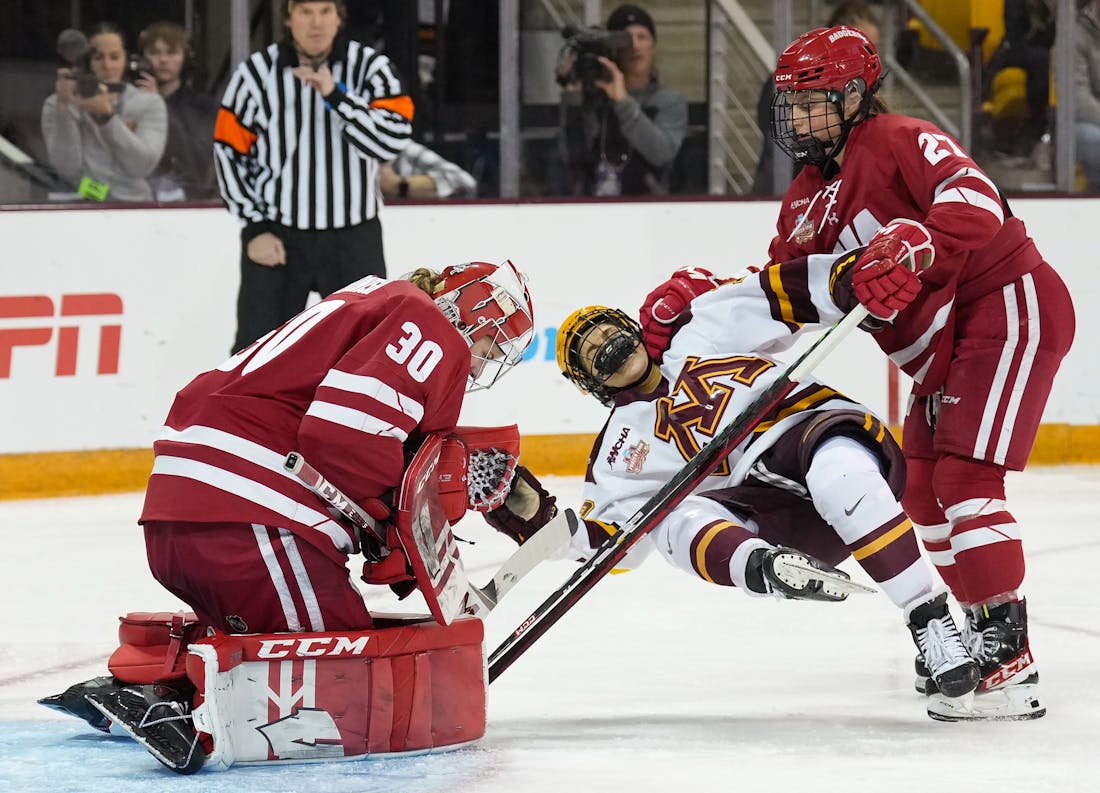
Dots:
(851, 493)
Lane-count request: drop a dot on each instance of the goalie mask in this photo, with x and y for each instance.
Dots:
(813, 78)
(490, 306)
(597, 345)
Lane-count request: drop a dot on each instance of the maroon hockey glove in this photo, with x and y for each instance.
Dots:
(663, 309)
(527, 509)
(886, 276)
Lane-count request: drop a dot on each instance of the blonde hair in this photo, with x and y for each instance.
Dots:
(427, 280)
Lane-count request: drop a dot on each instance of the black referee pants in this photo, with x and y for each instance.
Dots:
(316, 261)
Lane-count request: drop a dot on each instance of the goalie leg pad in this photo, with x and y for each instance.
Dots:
(295, 697)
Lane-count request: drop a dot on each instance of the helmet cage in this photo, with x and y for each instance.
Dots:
(488, 301)
(588, 364)
(834, 61)
(809, 149)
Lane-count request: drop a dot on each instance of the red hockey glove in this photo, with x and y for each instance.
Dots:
(886, 276)
(665, 305)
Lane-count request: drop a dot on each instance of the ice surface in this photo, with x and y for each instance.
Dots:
(654, 682)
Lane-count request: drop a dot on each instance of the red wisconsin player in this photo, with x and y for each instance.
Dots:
(982, 332)
(354, 383)
(351, 383)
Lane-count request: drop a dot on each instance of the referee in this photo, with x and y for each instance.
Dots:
(304, 127)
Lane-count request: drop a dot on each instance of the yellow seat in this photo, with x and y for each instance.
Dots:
(1008, 95)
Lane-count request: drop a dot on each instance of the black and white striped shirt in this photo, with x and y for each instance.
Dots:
(285, 155)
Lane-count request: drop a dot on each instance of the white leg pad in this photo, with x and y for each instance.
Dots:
(315, 697)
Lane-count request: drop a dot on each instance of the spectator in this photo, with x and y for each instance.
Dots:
(102, 134)
(1086, 82)
(1029, 35)
(620, 135)
(186, 171)
(418, 172)
(853, 13)
(304, 128)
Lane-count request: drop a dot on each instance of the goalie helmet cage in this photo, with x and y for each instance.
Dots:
(665, 500)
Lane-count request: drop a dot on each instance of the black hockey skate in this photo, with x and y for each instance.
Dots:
(1008, 691)
(74, 702)
(157, 717)
(948, 664)
(787, 573)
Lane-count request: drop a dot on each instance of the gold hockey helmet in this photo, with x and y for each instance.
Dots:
(587, 360)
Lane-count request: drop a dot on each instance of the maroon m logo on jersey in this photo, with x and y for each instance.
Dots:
(698, 400)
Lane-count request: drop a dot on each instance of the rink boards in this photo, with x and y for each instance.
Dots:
(105, 314)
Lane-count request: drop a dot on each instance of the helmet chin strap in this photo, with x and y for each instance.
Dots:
(611, 356)
(828, 163)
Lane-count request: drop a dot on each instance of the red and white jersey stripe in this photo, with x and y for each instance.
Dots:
(348, 383)
(900, 167)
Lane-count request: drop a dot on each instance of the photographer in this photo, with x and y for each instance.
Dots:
(102, 134)
(186, 171)
(620, 128)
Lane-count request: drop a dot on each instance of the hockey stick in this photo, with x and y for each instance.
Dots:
(665, 500)
(481, 600)
(296, 465)
(538, 547)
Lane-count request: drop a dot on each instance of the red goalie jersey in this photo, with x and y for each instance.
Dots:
(382, 367)
(923, 174)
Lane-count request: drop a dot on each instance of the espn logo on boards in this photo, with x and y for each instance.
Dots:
(51, 315)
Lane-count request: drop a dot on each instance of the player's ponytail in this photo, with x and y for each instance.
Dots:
(426, 280)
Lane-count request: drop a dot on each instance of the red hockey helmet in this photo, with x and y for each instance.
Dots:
(488, 301)
(828, 59)
(831, 63)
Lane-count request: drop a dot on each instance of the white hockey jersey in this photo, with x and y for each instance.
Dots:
(717, 365)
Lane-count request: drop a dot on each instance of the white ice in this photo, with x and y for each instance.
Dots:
(654, 682)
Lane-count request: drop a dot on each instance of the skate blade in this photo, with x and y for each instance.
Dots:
(1013, 703)
(834, 582)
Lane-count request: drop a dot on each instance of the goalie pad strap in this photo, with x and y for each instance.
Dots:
(152, 646)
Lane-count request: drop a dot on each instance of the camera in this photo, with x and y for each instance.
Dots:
(136, 67)
(589, 44)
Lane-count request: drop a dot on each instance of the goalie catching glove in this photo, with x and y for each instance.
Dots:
(477, 466)
(885, 277)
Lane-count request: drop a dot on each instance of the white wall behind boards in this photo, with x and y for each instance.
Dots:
(174, 272)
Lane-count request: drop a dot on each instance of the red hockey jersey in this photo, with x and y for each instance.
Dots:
(900, 167)
(348, 383)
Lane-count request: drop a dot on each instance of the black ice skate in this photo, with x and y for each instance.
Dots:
(157, 717)
(787, 573)
(948, 664)
(1008, 691)
(74, 702)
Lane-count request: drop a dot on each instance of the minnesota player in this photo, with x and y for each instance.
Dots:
(982, 333)
(820, 474)
(354, 383)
